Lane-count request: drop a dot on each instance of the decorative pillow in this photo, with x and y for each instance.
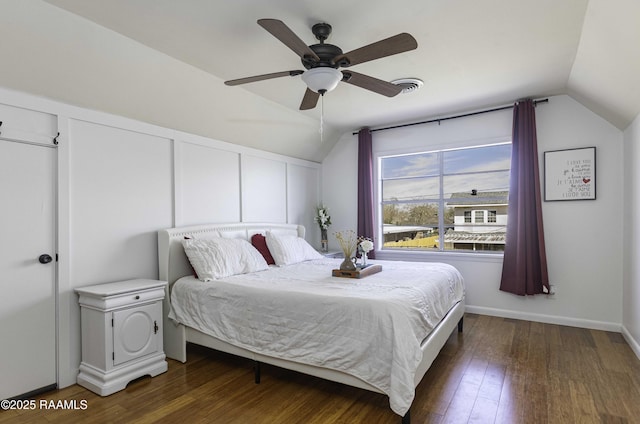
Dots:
(204, 236)
(288, 250)
(260, 242)
(216, 258)
(195, 274)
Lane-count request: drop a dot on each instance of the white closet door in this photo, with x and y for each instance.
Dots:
(27, 286)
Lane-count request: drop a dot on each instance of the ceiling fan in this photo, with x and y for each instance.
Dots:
(322, 61)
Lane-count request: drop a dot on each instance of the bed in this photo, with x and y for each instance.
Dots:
(297, 316)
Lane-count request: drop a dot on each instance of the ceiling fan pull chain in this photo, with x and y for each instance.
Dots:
(322, 119)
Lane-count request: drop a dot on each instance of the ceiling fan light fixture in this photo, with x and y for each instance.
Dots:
(322, 79)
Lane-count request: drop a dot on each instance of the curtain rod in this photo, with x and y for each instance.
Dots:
(438, 120)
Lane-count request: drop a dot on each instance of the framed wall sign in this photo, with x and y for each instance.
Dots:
(570, 174)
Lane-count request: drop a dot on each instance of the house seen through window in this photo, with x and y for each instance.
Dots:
(446, 200)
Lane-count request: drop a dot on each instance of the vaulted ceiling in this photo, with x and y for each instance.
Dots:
(471, 54)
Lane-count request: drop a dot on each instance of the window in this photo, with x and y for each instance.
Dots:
(492, 216)
(446, 200)
(479, 217)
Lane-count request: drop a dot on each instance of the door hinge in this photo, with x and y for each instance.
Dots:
(112, 322)
(113, 356)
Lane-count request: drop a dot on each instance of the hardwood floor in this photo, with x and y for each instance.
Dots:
(499, 370)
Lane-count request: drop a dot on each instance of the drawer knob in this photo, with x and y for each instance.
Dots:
(137, 297)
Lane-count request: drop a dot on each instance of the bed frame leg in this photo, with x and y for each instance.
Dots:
(256, 372)
(407, 417)
(460, 325)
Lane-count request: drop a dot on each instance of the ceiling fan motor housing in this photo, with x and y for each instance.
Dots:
(326, 53)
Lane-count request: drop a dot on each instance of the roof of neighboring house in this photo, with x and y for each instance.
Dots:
(489, 237)
(480, 198)
(393, 229)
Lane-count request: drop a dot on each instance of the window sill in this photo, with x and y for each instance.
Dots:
(431, 256)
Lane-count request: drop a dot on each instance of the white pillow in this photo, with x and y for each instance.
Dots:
(204, 235)
(288, 250)
(216, 258)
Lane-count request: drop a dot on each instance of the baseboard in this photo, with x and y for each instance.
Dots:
(633, 343)
(547, 319)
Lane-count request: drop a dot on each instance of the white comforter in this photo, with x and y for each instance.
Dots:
(370, 328)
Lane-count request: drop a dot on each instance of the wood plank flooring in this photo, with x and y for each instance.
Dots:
(497, 371)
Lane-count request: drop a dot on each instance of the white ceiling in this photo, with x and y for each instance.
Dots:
(471, 54)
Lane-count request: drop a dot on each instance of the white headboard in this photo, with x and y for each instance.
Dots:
(173, 262)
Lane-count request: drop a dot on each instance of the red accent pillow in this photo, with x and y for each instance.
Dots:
(260, 242)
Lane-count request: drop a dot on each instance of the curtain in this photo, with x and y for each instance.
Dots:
(365, 187)
(524, 271)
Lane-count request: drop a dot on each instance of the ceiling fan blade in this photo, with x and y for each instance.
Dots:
(310, 100)
(263, 77)
(389, 46)
(373, 84)
(282, 32)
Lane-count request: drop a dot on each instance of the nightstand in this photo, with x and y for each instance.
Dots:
(121, 334)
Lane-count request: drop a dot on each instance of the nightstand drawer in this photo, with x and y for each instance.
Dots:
(121, 294)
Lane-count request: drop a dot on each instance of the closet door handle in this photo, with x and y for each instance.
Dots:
(45, 259)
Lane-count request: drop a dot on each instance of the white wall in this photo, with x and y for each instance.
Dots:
(583, 238)
(120, 181)
(56, 54)
(120, 195)
(208, 179)
(303, 184)
(631, 289)
(264, 189)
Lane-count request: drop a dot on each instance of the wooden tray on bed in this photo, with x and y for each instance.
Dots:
(359, 272)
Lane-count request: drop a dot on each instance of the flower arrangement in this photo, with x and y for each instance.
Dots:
(365, 245)
(322, 217)
(348, 242)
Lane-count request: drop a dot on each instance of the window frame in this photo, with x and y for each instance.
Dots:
(416, 254)
(478, 216)
(492, 216)
(468, 217)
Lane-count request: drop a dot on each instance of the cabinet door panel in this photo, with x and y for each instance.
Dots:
(135, 332)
